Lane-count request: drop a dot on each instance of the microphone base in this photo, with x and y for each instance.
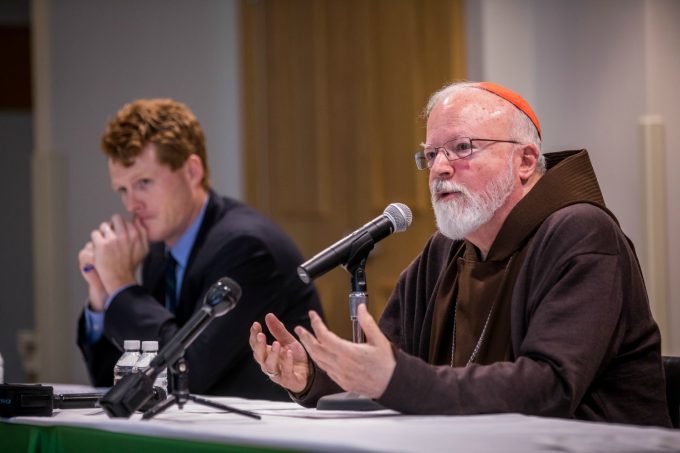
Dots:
(347, 401)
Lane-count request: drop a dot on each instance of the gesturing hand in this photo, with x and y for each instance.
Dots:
(364, 368)
(285, 361)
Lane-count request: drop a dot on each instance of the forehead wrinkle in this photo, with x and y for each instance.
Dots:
(470, 112)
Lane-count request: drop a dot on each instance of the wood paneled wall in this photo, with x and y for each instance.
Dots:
(333, 95)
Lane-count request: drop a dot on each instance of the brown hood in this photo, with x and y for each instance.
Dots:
(477, 294)
(569, 179)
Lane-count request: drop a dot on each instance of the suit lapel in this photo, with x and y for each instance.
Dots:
(214, 211)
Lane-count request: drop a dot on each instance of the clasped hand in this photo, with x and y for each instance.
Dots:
(364, 368)
(109, 260)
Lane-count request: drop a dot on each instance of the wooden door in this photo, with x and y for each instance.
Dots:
(333, 95)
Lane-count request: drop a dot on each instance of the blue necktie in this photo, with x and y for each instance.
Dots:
(170, 282)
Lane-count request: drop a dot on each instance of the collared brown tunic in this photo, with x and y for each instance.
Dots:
(555, 321)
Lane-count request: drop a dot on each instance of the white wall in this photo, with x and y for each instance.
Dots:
(16, 143)
(662, 41)
(591, 69)
(16, 308)
(92, 57)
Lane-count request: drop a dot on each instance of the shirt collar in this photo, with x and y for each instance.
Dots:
(180, 251)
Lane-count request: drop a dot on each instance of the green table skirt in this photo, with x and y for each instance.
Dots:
(16, 437)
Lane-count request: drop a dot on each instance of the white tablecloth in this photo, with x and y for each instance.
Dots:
(287, 425)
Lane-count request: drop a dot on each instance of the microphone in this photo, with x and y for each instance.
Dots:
(395, 218)
(220, 299)
(135, 389)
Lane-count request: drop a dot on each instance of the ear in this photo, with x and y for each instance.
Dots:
(528, 162)
(193, 169)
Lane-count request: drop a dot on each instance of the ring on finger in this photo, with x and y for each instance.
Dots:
(272, 374)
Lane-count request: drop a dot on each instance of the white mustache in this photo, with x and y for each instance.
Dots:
(443, 186)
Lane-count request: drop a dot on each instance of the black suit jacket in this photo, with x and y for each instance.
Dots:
(234, 241)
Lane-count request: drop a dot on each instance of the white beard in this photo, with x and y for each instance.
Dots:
(459, 217)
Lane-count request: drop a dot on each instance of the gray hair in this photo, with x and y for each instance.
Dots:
(523, 129)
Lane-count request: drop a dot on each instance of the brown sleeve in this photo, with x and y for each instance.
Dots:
(319, 385)
(565, 326)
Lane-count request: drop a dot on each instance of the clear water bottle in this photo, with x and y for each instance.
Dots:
(127, 361)
(149, 352)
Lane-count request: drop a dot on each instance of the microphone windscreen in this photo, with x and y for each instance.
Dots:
(400, 215)
(222, 296)
(234, 287)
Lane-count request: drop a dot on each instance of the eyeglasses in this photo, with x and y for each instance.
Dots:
(458, 148)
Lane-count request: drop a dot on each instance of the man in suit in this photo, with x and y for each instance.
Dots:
(186, 237)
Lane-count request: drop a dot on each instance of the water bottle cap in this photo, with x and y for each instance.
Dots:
(149, 346)
(131, 345)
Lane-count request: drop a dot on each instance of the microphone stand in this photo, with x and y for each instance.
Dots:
(356, 266)
(178, 383)
(134, 390)
(358, 296)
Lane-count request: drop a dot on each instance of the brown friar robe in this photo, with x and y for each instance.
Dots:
(554, 322)
(474, 294)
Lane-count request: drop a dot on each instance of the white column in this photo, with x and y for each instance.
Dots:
(53, 316)
(655, 255)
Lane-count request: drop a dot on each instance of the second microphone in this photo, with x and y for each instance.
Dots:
(395, 218)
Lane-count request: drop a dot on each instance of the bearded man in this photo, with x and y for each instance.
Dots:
(529, 299)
